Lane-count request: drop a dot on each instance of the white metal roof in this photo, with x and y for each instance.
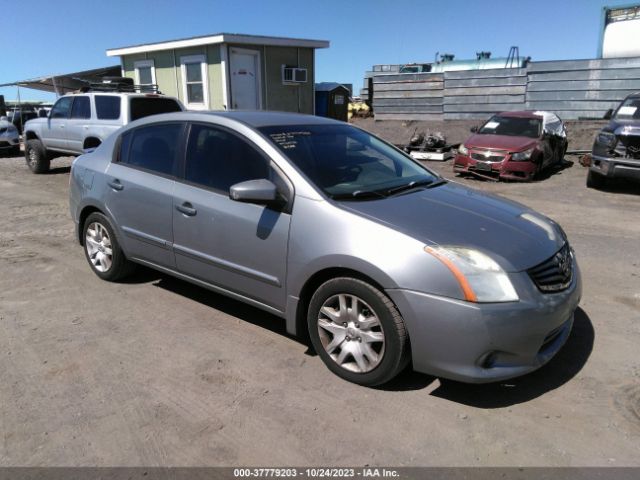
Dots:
(216, 39)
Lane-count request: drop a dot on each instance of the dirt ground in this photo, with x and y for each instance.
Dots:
(156, 371)
(579, 133)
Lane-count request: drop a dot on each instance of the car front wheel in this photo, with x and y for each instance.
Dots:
(357, 331)
(36, 156)
(102, 249)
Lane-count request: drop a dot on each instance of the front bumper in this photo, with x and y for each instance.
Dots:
(479, 343)
(507, 169)
(9, 141)
(615, 167)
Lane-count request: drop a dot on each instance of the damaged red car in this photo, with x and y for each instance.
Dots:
(513, 146)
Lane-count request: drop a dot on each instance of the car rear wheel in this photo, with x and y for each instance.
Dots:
(102, 249)
(595, 180)
(36, 156)
(357, 331)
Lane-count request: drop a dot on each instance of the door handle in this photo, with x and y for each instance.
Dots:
(187, 209)
(115, 184)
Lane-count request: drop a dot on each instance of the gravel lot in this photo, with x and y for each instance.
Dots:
(159, 372)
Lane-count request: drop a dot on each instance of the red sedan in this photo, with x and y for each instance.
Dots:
(513, 146)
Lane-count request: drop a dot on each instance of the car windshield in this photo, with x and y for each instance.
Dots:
(512, 126)
(629, 110)
(348, 163)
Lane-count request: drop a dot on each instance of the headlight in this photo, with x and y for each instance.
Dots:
(462, 150)
(521, 156)
(607, 139)
(480, 277)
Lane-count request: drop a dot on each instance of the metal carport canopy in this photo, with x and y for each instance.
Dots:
(67, 82)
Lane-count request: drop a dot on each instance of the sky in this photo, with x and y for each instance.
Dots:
(44, 37)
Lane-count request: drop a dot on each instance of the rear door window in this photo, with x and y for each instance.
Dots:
(152, 148)
(81, 108)
(145, 106)
(107, 107)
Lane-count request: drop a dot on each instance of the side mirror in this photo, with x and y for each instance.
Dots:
(473, 129)
(260, 191)
(42, 113)
(608, 114)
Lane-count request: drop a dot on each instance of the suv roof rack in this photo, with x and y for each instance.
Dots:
(120, 85)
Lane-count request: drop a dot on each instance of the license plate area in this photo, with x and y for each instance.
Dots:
(484, 166)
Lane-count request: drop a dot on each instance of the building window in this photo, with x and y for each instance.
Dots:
(194, 82)
(145, 72)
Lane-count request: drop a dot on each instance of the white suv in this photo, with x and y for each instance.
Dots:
(82, 121)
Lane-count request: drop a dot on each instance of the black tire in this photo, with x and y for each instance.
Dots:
(36, 156)
(118, 266)
(394, 348)
(595, 180)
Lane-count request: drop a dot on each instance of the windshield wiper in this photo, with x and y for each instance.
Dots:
(440, 181)
(358, 195)
(411, 185)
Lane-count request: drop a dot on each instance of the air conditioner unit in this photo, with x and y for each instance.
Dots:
(294, 75)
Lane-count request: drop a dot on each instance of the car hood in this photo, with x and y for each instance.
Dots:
(35, 121)
(501, 142)
(513, 235)
(5, 124)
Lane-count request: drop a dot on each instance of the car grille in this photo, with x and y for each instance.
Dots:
(628, 146)
(492, 157)
(554, 274)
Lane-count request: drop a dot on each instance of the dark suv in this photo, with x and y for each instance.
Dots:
(616, 150)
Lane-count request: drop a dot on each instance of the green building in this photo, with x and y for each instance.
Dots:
(228, 71)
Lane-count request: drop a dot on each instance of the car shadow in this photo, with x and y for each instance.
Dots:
(622, 186)
(563, 367)
(222, 303)
(554, 170)
(59, 170)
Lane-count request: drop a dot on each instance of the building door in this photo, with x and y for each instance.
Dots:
(244, 68)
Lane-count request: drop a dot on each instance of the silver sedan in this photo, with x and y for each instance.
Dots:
(379, 260)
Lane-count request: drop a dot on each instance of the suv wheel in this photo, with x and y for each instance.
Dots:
(36, 156)
(595, 180)
(357, 331)
(102, 249)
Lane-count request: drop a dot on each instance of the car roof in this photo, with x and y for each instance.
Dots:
(523, 114)
(253, 119)
(258, 119)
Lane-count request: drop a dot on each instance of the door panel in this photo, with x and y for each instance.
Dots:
(141, 203)
(241, 247)
(54, 131)
(243, 66)
(140, 187)
(78, 123)
(238, 246)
